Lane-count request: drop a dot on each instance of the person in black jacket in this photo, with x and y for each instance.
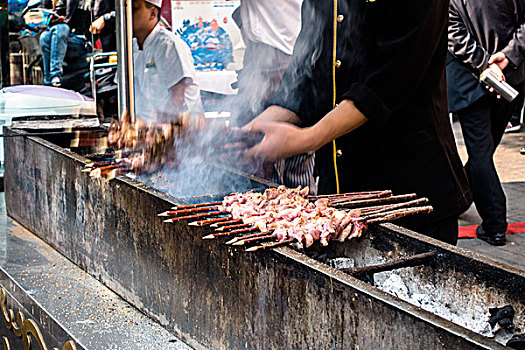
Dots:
(485, 34)
(65, 37)
(375, 85)
(104, 24)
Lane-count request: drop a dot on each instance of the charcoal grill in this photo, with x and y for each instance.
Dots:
(215, 296)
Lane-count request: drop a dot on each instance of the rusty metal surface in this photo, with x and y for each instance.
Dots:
(67, 302)
(209, 294)
(53, 333)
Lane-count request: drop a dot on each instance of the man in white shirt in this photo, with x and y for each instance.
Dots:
(164, 76)
(269, 30)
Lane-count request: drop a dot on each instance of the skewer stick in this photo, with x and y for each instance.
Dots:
(396, 214)
(116, 172)
(386, 208)
(104, 171)
(227, 223)
(232, 227)
(273, 245)
(230, 233)
(209, 221)
(98, 164)
(197, 205)
(384, 194)
(253, 239)
(235, 239)
(196, 216)
(376, 200)
(187, 211)
(348, 194)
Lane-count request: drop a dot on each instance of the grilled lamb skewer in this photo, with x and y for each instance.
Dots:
(288, 215)
(198, 205)
(230, 233)
(273, 245)
(187, 211)
(209, 221)
(196, 216)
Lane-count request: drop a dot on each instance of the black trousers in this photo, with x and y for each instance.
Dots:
(483, 124)
(445, 230)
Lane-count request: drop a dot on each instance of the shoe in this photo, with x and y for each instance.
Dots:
(496, 239)
(512, 128)
(522, 150)
(56, 82)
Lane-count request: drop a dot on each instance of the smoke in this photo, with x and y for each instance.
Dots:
(201, 166)
(308, 73)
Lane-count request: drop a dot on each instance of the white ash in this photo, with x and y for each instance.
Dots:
(476, 321)
(342, 263)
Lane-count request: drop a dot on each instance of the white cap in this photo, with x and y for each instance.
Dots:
(157, 3)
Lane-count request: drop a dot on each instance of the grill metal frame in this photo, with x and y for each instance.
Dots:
(216, 296)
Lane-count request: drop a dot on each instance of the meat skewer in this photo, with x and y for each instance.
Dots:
(98, 164)
(374, 210)
(400, 213)
(190, 206)
(384, 194)
(273, 245)
(230, 233)
(227, 223)
(106, 170)
(231, 227)
(288, 215)
(209, 221)
(253, 239)
(348, 194)
(196, 216)
(187, 211)
(235, 239)
(376, 200)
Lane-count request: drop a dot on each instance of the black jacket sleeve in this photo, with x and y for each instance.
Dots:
(66, 8)
(461, 43)
(103, 8)
(407, 34)
(515, 49)
(60, 7)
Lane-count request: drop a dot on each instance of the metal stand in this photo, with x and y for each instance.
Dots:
(125, 58)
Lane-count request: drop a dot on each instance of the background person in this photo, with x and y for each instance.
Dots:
(104, 24)
(164, 76)
(65, 37)
(269, 30)
(485, 34)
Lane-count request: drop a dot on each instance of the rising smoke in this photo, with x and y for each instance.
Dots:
(258, 81)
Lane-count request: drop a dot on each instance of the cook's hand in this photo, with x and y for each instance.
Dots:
(97, 25)
(497, 71)
(275, 114)
(499, 59)
(281, 140)
(495, 68)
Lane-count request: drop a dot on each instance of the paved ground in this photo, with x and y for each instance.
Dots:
(511, 168)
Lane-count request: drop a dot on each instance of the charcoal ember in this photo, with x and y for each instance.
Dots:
(502, 316)
(517, 342)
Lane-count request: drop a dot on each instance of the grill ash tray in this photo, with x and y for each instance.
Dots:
(450, 286)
